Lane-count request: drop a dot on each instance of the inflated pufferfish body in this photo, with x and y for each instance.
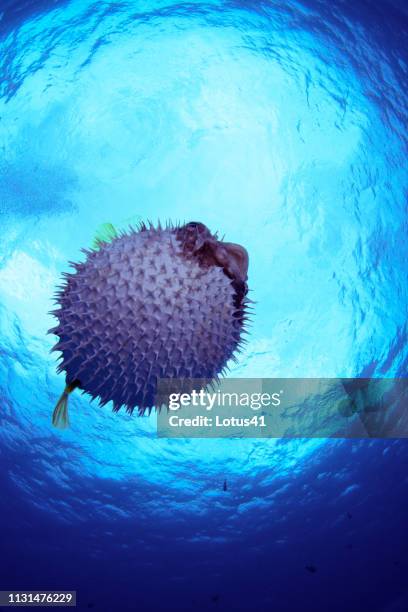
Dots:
(152, 303)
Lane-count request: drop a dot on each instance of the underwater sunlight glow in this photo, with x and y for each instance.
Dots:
(281, 126)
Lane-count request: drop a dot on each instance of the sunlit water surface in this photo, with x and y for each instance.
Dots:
(281, 125)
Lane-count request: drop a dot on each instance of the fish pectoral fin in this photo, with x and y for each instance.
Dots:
(105, 234)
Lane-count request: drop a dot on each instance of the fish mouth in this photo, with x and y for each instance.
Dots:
(233, 258)
(198, 241)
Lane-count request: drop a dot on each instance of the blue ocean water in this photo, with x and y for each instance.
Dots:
(283, 126)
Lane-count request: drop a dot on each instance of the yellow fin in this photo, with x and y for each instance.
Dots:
(60, 418)
(104, 234)
(108, 232)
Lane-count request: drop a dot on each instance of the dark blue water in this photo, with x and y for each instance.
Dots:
(283, 126)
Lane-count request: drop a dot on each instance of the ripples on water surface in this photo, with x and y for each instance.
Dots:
(281, 124)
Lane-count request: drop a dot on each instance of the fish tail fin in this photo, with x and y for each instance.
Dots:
(60, 418)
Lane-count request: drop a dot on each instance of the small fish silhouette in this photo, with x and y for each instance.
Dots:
(311, 568)
(224, 486)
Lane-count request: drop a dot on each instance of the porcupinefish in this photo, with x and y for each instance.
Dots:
(149, 303)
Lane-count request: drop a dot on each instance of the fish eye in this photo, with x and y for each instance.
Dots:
(199, 227)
